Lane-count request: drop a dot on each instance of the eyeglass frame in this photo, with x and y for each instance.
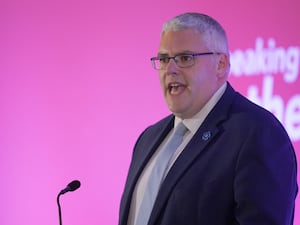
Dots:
(153, 59)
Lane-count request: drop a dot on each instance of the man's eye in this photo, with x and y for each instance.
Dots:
(164, 60)
(185, 58)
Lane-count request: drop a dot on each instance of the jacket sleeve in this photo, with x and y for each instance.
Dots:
(266, 179)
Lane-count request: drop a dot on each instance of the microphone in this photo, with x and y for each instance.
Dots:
(74, 185)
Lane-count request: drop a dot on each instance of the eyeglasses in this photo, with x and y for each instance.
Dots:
(181, 60)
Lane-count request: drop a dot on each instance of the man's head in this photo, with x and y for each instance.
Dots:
(212, 32)
(193, 62)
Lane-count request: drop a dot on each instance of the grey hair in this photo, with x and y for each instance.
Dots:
(213, 33)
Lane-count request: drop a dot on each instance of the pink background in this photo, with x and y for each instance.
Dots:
(77, 88)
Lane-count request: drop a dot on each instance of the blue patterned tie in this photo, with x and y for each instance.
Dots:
(157, 174)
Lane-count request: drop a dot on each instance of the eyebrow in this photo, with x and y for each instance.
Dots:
(160, 54)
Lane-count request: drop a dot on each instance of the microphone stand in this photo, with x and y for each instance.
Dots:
(59, 208)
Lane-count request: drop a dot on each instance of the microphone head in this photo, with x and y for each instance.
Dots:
(74, 185)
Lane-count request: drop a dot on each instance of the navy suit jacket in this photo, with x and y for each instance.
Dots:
(239, 168)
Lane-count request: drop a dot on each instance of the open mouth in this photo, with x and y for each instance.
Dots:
(175, 88)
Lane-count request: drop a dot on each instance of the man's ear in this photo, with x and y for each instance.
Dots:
(223, 65)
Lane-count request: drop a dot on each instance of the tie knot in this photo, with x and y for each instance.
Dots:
(180, 129)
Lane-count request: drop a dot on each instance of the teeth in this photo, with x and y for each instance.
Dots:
(173, 85)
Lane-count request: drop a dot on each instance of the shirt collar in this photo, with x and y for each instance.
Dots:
(195, 122)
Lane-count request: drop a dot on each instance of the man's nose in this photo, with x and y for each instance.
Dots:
(172, 66)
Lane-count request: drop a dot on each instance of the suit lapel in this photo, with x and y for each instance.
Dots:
(206, 133)
(145, 150)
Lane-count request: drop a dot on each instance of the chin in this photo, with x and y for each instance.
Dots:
(178, 114)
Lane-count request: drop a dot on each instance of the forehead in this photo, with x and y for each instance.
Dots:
(180, 41)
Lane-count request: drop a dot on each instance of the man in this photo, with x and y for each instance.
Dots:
(235, 165)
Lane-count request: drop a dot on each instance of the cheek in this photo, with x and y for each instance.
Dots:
(204, 75)
(199, 84)
(197, 79)
(162, 81)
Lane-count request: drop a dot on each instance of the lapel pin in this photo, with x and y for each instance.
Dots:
(206, 135)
